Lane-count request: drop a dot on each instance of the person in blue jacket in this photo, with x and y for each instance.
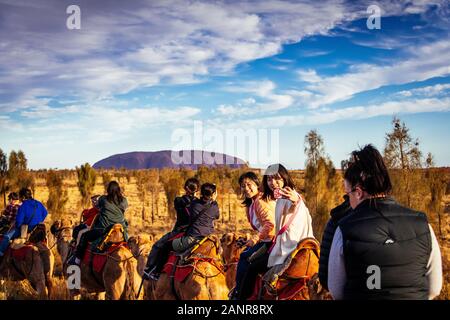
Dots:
(31, 213)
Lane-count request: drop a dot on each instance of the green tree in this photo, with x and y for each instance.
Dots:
(18, 175)
(57, 197)
(86, 182)
(323, 185)
(403, 157)
(172, 183)
(315, 152)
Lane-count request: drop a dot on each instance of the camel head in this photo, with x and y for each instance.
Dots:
(62, 229)
(133, 245)
(230, 245)
(140, 243)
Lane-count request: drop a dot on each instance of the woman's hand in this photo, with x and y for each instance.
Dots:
(290, 194)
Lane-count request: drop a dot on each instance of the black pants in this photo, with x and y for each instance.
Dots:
(77, 229)
(85, 238)
(160, 249)
(257, 266)
(163, 253)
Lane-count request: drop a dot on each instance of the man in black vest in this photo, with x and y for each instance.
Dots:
(381, 250)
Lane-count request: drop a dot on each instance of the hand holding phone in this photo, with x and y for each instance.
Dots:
(277, 194)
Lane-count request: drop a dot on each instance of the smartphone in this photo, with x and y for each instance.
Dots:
(277, 193)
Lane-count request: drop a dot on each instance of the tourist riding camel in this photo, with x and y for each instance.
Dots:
(381, 250)
(202, 213)
(87, 218)
(30, 214)
(112, 211)
(9, 214)
(260, 209)
(191, 187)
(293, 223)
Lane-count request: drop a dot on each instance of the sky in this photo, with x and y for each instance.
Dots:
(172, 75)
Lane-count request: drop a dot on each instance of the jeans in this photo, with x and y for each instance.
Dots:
(10, 235)
(247, 272)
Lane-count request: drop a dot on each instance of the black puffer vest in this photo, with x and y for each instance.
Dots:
(396, 239)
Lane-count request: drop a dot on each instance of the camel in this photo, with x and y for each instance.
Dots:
(62, 231)
(31, 260)
(141, 246)
(119, 278)
(206, 282)
(231, 254)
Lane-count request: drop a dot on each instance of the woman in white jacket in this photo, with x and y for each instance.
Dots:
(292, 219)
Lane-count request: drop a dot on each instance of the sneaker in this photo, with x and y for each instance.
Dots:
(146, 274)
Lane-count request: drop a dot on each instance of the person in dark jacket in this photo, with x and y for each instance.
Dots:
(112, 211)
(336, 214)
(202, 214)
(31, 213)
(381, 250)
(181, 204)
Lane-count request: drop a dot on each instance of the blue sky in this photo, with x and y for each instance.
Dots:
(137, 73)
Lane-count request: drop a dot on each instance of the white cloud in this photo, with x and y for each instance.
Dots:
(428, 91)
(125, 46)
(315, 117)
(424, 62)
(309, 75)
(264, 90)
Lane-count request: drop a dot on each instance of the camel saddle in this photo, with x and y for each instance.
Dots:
(180, 265)
(110, 242)
(289, 281)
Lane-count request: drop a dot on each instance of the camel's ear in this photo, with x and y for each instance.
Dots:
(71, 222)
(150, 237)
(217, 243)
